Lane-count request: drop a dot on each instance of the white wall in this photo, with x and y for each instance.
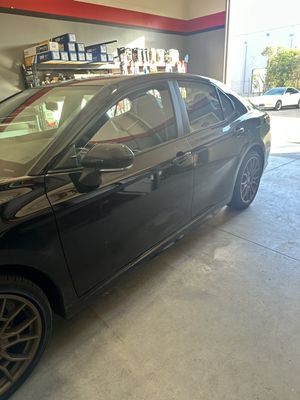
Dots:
(198, 8)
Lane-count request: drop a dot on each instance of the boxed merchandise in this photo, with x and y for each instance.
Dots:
(49, 46)
(72, 56)
(81, 56)
(66, 38)
(80, 47)
(71, 47)
(41, 48)
(28, 61)
(96, 48)
(48, 56)
(64, 55)
(98, 57)
(89, 57)
(160, 56)
(174, 55)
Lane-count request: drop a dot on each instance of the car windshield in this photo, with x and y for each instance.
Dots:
(275, 91)
(30, 121)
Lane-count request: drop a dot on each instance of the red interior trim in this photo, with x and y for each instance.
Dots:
(87, 11)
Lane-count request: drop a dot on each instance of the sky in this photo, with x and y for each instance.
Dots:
(248, 16)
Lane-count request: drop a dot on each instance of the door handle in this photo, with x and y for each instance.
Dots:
(240, 131)
(183, 159)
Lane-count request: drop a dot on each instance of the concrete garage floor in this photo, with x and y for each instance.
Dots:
(215, 317)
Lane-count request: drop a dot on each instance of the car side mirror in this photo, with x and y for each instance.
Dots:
(104, 157)
(108, 157)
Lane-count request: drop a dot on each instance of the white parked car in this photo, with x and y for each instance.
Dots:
(277, 98)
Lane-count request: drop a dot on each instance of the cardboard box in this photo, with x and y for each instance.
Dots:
(89, 57)
(81, 56)
(49, 46)
(64, 55)
(80, 47)
(41, 48)
(28, 61)
(72, 56)
(65, 38)
(99, 57)
(48, 56)
(98, 48)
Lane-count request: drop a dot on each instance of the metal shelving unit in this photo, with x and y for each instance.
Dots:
(35, 75)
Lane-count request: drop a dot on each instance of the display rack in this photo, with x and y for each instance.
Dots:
(38, 74)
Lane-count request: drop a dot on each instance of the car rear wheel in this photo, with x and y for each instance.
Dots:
(298, 105)
(247, 181)
(25, 326)
(278, 105)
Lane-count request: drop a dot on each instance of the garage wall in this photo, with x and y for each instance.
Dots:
(202, 36)
(206, 53)
(29, 30)
(197, 8)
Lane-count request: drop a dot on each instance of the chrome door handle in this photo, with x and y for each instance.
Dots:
(240, 131)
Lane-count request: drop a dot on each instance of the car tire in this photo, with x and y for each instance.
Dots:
(278, 105)
(298, 105)
(25, 327)
(247, 181)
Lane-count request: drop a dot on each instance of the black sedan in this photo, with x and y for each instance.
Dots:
(98, 175)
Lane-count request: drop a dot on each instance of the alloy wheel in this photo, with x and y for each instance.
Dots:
(278, 105)
(250, 179)
(21, 330)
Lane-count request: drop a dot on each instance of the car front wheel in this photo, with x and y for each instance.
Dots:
(25, 326)
(298, 105)
(278, 105)
(247, 181)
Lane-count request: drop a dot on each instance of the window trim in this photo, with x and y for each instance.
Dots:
(121, 95)
(232, 103)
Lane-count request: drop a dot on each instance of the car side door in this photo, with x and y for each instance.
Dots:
(218, 135)
(104, 230)
(292, 97)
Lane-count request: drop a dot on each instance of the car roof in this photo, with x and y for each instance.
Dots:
(106, 81)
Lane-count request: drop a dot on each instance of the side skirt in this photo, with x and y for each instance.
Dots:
(163, 245)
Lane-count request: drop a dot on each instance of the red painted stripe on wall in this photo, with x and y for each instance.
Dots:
(207, 22)
(100, 13)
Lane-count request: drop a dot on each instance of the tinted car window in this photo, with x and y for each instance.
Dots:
(141, 120)
(227, 105)
(31, 120)
(291, 90)
(202, 104)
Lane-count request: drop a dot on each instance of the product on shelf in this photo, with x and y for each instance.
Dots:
(65, 38)
(99, 59)
(48, 56)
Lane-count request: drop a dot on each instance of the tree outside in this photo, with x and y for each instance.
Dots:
(283, 67)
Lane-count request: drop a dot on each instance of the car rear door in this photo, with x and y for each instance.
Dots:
(104, 230)
(217, 137)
